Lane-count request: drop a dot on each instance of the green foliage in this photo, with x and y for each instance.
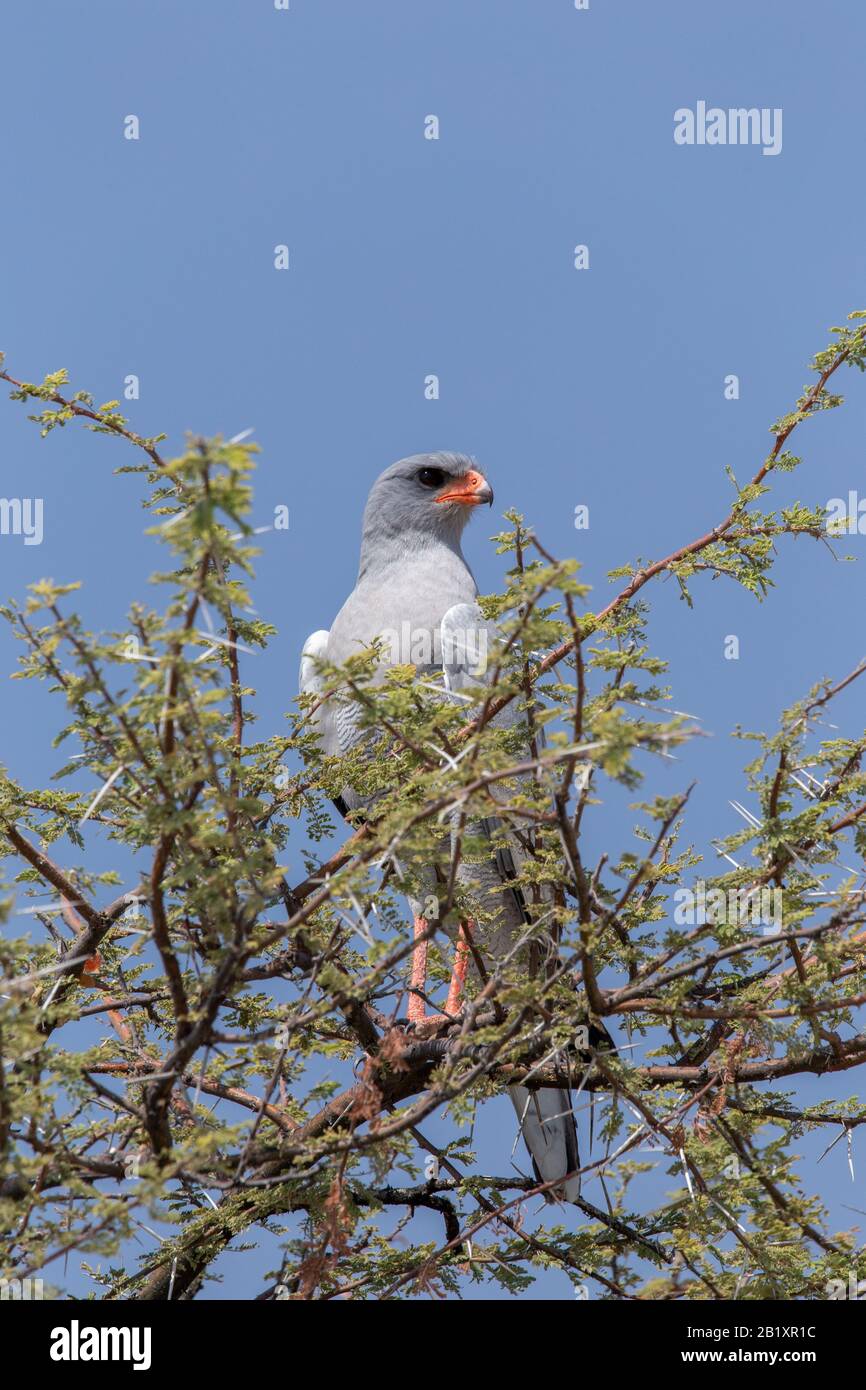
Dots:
(213, 1047)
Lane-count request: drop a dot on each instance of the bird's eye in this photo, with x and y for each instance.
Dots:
(431, 477)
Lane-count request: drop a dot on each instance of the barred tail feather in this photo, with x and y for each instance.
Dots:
(550, 1133)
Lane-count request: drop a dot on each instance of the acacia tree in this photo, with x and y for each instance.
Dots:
(213, 1047)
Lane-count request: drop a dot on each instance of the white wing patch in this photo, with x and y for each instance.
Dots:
(315, 650)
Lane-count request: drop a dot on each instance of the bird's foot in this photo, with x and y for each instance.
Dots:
(434, 1025)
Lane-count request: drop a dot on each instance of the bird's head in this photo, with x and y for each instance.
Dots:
(427, 496)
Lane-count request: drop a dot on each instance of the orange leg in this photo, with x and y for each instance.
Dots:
(462, 957)
(415, 1006)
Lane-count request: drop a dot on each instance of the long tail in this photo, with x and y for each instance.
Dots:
(550, 1133)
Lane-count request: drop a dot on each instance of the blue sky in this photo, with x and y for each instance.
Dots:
(602, 387)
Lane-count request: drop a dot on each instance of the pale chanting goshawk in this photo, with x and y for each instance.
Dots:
(413, 579)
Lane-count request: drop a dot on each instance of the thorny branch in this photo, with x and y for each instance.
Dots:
(283, 1002)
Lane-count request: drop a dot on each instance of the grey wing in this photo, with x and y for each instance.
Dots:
(469, 648)
(547, 1121)
(335, 718)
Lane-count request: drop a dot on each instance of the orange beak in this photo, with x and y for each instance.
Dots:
(471, 490)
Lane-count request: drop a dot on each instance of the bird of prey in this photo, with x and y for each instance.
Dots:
(414, 581)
